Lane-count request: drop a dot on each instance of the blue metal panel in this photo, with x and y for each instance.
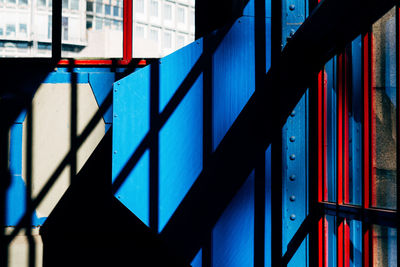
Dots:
(15, 200)
(181, 152)
(16, 149)
(295, 197)
(197, 261)
(233, 76)
(65, 77)
(355, 126)
(249, 9)
(16, 192)
(294, 12)
(101, 84)
(232, 236)
(331, 120)
(356, 241)
(131, 122)
(174, 69)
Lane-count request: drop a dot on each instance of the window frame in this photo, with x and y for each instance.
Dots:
(341, 209)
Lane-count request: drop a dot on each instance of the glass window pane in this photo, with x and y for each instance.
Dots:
(116, 11)
(23, 31)
(139, 6)
(180, 14)
(330, 130)
(64, 4)
(384, 246)
(99, 8)
(154, 8)
(383, 121)
(74, 4)
(89, 6)
(23, 2)
(355, 115)
(41, 3)
(167, 12)
(107, 9)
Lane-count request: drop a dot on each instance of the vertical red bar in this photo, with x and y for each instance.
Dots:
(346, 243)
(340, 256)
(128, 35)
(340, 130)
(345, 145)
(366, 128)
(320, 139)
(372, 130)
(366, 143)
(321, 242)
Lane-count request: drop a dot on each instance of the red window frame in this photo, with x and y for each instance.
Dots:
(344, 212)
(127, 41)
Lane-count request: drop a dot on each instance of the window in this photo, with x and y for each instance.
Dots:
(11, 1)
(41, 3)
(180, 40)
(10, 30)
(167, 40)
(23, 2)
(139, 6)
(107, 9)
(23, 31)
(115, 11)
(153, 8)
(89, 6)
(99, 8)
(99, 24)
(180, 14)
(357, 150)
(74, 4)
(139, 31)
(154, 35)
(65, 4)
(167, 12)
(64, 28)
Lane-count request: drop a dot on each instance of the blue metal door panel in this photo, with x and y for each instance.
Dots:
(294, 176)
(131, 123)
(232, 236)
(233, 76)
(181, 152)
(175, 67)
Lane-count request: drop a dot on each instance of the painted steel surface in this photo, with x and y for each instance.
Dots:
(295, 178)
(233, 235)
(233, 78)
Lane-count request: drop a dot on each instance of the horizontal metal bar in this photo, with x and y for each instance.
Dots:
(352, 212)
(101, 62)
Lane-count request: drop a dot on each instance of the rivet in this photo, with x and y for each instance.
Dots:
(292, 138)
(115, 115)
(292, 198)
(118, 83)
(292, 31)
(115, 151)
(292, 177)
(292, 157)
(293, 217)
(239, 21)
(293, 113)
(292, 7)
(115, 90)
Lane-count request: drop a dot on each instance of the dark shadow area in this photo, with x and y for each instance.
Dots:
(211, 15)
(89, 227)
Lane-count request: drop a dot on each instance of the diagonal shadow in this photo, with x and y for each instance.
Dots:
(309, 224)
(78, 141)
(178, 96)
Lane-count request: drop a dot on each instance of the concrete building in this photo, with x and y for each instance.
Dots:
(93, 29)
